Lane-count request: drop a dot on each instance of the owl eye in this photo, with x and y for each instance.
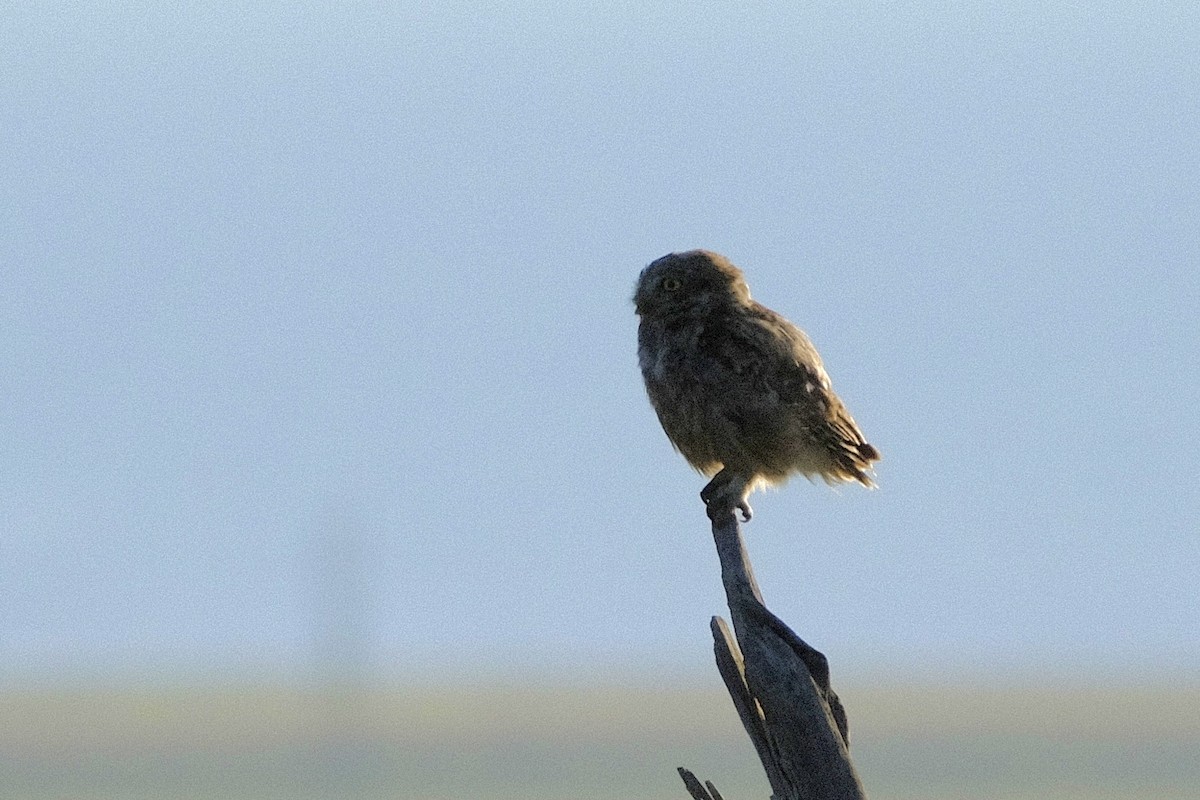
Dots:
(671, 284)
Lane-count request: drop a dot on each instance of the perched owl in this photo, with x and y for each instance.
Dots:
(739, 390)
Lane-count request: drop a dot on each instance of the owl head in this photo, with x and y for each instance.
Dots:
(690, 282)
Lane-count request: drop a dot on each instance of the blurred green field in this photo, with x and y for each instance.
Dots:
(254, 743)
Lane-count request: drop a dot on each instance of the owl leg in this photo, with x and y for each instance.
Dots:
(728, 490)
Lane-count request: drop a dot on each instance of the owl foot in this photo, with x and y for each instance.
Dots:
(725, 492)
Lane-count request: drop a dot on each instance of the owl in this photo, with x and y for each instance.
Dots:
(739, 390)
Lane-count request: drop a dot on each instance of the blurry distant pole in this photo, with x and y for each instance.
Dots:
(780, 687)
(346, 752)
(340, 604)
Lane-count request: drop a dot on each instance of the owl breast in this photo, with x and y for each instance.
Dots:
(682, 402)
(652, 361)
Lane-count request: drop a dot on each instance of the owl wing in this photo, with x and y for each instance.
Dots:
(784, 387)
(804, 385)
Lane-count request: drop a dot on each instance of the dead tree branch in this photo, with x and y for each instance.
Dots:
(780, 688)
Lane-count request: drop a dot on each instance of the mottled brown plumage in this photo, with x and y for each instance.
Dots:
(739, 390)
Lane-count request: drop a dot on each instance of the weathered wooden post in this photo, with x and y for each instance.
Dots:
(780, 687)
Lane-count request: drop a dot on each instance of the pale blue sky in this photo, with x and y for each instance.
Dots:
(318, 340)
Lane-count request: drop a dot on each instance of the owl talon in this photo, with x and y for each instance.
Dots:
(720, 505)
(724, 493)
